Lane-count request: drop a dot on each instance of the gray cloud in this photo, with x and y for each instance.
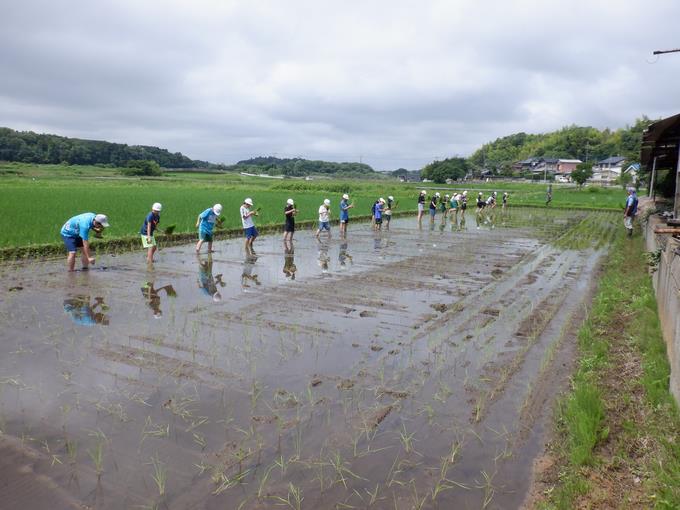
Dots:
(395, 83)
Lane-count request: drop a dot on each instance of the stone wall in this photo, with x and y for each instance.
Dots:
(667, 286)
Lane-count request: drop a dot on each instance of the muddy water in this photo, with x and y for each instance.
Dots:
(402, 369)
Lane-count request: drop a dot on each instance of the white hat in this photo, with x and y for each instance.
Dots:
(447, 196)
(437, 194)
(423, 192)
(326, 202)
(390, 197)
(382, 200)
(157, 207)
(248, 201)
(345, 196)
(465, 193)
(290, 201)
(102, 219)
(217, 209)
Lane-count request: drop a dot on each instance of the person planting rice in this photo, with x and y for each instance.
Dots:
(463, 204)
(388, 211)
(491, 201)
(205, 224)
(76, 234)
(433, 206)
(324, 218)
(505, 199)
(421, 208)
(378, 213)
(444, 207)
(345, 206)
(148, 228)
(548, 195)
(289, 213)
(249, 229)
(453, 205)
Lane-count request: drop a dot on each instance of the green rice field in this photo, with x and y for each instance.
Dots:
(38, 199)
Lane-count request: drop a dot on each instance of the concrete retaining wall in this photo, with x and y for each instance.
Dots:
(667, 286)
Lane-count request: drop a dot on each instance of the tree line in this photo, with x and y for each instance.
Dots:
(297, 167)
(588, 144)
(30, 147)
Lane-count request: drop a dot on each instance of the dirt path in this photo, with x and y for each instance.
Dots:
(404, 369)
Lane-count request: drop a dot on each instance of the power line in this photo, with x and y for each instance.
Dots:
(661, 52)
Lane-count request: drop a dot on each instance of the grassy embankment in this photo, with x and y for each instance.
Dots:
(37, 199)
(618, 429)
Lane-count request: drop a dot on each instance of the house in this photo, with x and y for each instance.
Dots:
(608, 170)
(546, 166)
(564, 169)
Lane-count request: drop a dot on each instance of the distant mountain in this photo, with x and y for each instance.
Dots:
(30, 147)
(295, 167)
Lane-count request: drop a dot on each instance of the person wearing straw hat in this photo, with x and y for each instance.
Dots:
(205, 223)
(248, 223)
(148, 227)
(289, 213)
(76, 234)
(345, 206)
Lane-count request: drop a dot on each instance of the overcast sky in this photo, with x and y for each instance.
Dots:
(391, 83)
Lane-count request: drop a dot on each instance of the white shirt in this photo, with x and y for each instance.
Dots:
(247, 222)
(324, 214)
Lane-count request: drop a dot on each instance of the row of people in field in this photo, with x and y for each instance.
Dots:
(454, 203)
(75, 232)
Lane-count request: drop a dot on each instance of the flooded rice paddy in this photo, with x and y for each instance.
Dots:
(397, 370)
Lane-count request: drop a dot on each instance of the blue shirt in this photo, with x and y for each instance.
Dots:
(208, 218)
(153, 220)
(378, 211)
(79, 226)
(632, 203)
(344, 211)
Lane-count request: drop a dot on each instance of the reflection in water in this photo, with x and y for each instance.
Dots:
(343, 256)
(324, 259)
(206, 281)
(153, 297)
(84, 314)
(248, 266)
(289, 267)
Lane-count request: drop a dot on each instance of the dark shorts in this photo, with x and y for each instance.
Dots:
(344, 220)
(433, 212)
(250, 232)
(72, 243)
(378, 221)
(203, 236)
(289, 227)
(463, 206)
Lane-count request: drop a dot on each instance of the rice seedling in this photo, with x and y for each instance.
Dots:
(294, 497)
(159, 475)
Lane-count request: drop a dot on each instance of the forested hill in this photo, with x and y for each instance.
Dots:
(298, 167)
(29, 147)
(573, 142)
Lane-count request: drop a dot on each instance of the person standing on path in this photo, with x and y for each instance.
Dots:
(289, 213)
(76, 234)
(630, 211)
(249, 229)
(148, 228)
(345, 206)
(205, 223)
(324, 218)
(421, 208)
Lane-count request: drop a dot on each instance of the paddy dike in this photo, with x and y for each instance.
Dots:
(402, 369)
